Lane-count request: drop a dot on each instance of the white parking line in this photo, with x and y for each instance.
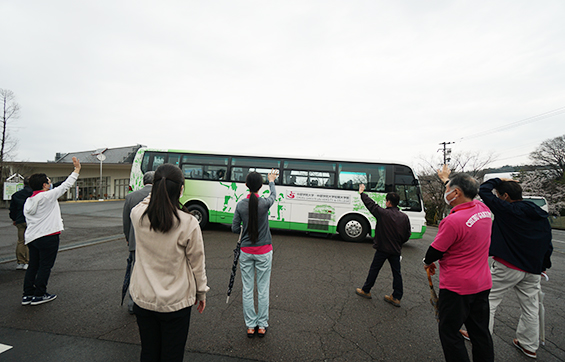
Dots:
(4, 347)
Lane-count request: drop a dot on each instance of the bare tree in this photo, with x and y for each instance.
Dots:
(472, 163)
(10, 112)
(551, 154)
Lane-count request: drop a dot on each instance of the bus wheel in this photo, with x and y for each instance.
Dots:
(199, 213)
(353, 228)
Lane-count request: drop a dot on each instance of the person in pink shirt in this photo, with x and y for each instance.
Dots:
(462, 246)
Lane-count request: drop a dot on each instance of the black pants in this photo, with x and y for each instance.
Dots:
(473, 311)
(376, 265)
(42, 255)
(163, 335)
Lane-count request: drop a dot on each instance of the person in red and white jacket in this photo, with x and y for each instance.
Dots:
(44, 225)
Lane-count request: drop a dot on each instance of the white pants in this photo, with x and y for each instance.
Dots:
(527, 288)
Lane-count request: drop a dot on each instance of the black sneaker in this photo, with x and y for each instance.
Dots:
(40, 300)
(26, 299)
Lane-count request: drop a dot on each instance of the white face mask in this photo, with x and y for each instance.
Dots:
(445, 197)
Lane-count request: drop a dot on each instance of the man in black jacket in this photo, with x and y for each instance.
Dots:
(17, 216)
(521, 248)
(392, 230)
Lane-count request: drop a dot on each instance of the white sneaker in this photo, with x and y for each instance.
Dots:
(21, 267)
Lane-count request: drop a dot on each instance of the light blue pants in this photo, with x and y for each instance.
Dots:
(248, 264)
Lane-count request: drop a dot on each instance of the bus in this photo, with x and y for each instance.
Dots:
(313, 195)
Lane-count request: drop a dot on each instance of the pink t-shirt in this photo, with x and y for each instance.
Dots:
(464, 237)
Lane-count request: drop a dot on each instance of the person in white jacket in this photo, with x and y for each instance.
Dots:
(44, 225)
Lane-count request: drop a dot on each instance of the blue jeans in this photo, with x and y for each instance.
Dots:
(376, 265)
(248, 264)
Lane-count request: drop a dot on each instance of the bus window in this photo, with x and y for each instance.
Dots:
(353, 174)
(158, 160)
(145, 162)
(174, 159)
(193, 171)
(205, 159)
(349, 180)
(406, 186)
(309, 173)
(241, 166)
(295, 178)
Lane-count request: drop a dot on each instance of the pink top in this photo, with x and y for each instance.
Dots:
(464, 237)
(263, 249)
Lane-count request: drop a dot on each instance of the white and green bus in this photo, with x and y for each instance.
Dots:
(313, 195)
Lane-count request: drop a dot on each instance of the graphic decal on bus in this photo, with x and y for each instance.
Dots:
(232, 189)
(359, 206)
(314, 196)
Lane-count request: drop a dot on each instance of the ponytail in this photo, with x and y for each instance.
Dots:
(253, 224)
(164, 205)
(254, 181)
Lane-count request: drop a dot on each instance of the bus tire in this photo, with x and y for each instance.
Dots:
(199, 213)
(353, 228)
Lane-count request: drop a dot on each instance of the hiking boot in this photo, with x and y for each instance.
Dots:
(361, 293)
(44, 299)
(26, 299)
(524, 351)
(390, 299)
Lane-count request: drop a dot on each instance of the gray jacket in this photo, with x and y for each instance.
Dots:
(241, 218)
(131, 201)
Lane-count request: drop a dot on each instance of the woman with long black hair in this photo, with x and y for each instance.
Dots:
(251, 222)
(169, 275)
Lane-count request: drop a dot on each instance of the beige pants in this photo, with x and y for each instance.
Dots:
(527, 288)
(22, 253)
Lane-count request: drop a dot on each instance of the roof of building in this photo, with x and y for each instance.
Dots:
(118, 155)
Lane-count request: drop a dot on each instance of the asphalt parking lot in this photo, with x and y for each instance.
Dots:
(314, 315)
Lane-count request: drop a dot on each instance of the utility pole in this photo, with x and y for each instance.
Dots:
(446, 152)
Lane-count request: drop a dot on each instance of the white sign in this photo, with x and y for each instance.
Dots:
(11, 188)
(318, 197)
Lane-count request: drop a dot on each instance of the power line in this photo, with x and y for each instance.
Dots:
(539, 117)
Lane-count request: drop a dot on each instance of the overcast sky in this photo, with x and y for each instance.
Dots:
(348, 79)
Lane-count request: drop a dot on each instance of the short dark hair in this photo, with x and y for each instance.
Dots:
(467, 184)
(512, 188)
(26, 181)
(37, 180)
(393, 198)
(148, 177)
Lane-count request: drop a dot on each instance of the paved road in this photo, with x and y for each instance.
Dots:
(315, 315)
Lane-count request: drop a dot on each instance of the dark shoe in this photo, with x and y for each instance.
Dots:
(390, 299)
(465, 334)
(361, 293)
(26, 299)
(250, 332)
(40, 300)
(524, 351)
(261, 332)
